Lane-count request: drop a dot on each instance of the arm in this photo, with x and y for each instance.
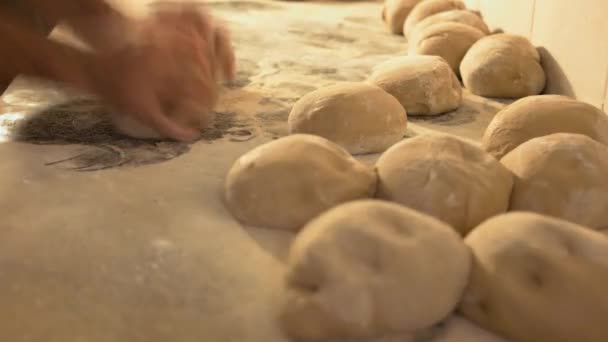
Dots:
(25, 51)
(94, 21)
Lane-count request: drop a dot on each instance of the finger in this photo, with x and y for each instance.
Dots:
(225, 52)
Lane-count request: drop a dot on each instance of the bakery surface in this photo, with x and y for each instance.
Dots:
(107, 238)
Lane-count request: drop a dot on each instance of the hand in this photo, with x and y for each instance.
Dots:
(151, 74)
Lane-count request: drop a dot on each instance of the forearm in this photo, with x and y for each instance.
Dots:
(94, 21)
(25, 51)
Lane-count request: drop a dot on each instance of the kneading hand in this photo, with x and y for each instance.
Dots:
(151, 73)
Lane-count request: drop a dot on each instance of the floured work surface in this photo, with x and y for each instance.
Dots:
(105, 238)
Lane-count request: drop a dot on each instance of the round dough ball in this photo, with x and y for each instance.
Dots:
(561, 175)
(360, 117)
(461, 16)
(504, 66)
(370, 267)
(426, 9)
(459, 329)
(536, 116)
(187, 113)
(394, 13)
(537, 278)
(451, 41)
(285, 183)
(424, 85)
(445, 177)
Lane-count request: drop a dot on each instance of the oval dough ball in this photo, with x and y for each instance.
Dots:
(463, 16)
(428, 8)
(536, 116)
(394, 13)
(503, 66)
(360, 117)
(537, 278)
(451, 41)
(371, 267)
(562, 175)
(424, 85)
(445, 177)
(285, 183)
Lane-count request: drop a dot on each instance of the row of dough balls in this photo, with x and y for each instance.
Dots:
(544, 154)
(496, 65)
(368, 268)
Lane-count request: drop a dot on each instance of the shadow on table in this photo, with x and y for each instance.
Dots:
(84, 122)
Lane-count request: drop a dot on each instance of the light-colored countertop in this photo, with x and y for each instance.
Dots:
(109, 239)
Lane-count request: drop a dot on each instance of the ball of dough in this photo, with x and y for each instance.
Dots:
(424, 85)
(459, 329)
(536, 116)
(537, 278)
(285, 183)
(394, 13)
(561, 175)
(504, 66)
(187, 113)
(466, 17)
(428, 8)
(371, 267)
(445, 177)
(360, 117)
(450, 40)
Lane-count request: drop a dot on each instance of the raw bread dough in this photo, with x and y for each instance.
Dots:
(562, 175)
(450, 40)
(425, 85)
(284, 183)
(504, 66)
(394, 13)
(459, 329)
(445, 177)
(462, 16)
(187, 113)
(371, 267)
(536, 116)
(428, 8)
(360, 117)
(537, 279)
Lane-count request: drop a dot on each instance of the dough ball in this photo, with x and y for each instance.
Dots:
(187, 113)
(562, 175)
(360, 117)
(286, 182)
(537, 279)
(371, 267)
(424, 85)
(428, 8)
(504, 66)
(394, 13)
(459, 329)
(536, 116)
(462, 16)
(445, 177)
(450, 40)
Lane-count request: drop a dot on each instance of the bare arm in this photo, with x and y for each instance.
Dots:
(95, 21)
(26, 51)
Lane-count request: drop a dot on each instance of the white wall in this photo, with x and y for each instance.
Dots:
(572, 36)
